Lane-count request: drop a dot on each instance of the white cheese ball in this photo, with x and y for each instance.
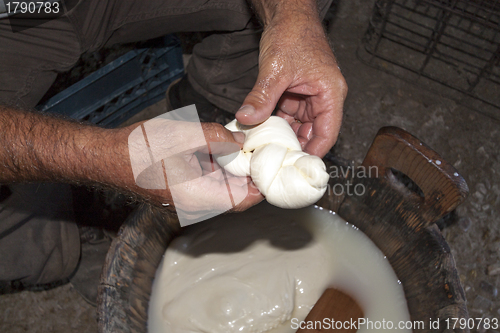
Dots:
(272, 156)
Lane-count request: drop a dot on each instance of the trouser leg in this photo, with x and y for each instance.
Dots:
(39, 243)
(30, 60)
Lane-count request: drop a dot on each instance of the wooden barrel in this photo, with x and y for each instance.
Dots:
(400, 221)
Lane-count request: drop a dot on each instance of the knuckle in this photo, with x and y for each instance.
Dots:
(340, 87)
(259, 95)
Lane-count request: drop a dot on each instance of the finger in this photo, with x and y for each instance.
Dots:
(207, 162)
(293, 108)
(208, 193)
(292, 105)
(325, 129)
(219, 190)
(327, 123)
(261, 101)
(253, 197)
(286, 116)
(304, 132)
(220, 140)
(215, 132)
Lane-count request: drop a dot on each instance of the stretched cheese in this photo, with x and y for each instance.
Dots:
(272, 156)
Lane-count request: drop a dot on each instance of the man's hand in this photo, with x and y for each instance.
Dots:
(298, 73)
(174, 163)
(37, 147)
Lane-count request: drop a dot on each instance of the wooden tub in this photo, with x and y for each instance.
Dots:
(400, 221)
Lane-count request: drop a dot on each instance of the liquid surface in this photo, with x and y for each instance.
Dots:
(262, 270)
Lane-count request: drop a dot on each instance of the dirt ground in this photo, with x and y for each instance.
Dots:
(467, 139)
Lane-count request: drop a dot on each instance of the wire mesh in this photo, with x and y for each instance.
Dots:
(452, 43)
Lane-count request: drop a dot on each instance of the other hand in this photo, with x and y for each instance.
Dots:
(298, 73)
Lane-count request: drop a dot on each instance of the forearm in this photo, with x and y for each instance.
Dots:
(38, 147)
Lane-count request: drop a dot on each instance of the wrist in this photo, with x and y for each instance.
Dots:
(286, 11)
(106, 158)
(291, 24)
(121, 175)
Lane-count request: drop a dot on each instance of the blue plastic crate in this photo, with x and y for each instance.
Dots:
(124, 87)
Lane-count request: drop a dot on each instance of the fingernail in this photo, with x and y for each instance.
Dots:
(239, 137)
(247, 110)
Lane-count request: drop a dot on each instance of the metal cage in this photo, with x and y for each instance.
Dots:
(449, 46)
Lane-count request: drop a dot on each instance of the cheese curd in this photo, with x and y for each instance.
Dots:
(272, 156)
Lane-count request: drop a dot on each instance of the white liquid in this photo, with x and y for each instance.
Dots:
(258, 270)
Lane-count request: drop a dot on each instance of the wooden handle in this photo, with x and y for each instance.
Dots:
(333, 304)
(442, 186)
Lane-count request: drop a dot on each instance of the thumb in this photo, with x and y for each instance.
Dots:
(261, 101)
